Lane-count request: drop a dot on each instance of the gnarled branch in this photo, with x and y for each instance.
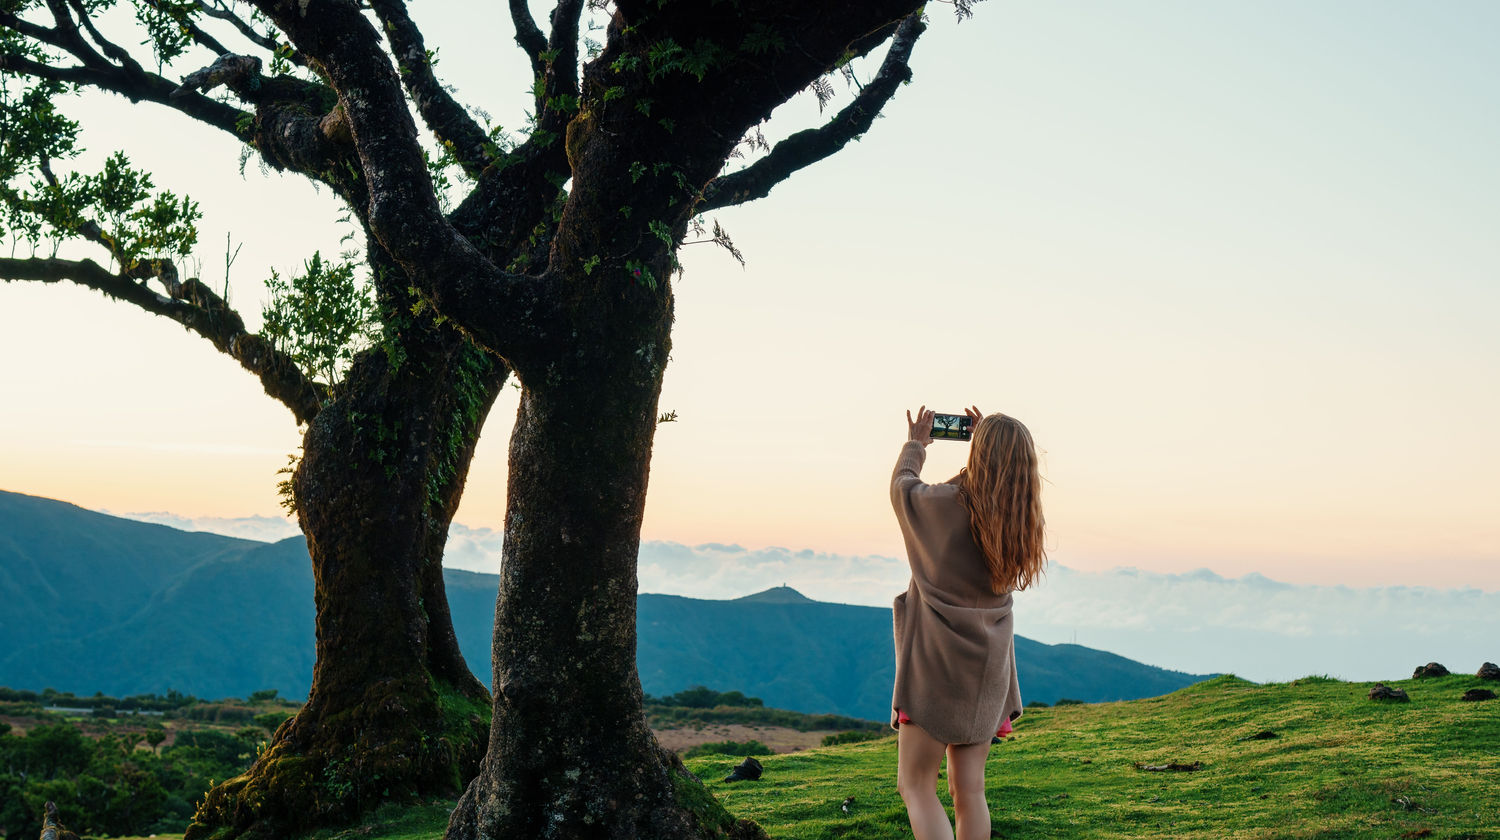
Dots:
(110, 48)
(528, 35)
(290, 126)
(513, 315)
(69, 38)
(195, 306)
(225, 14)
(814, 144)
(447, 119)
(562, 70)
(148, 86)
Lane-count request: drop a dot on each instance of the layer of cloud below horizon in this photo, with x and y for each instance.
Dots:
(1198, 622)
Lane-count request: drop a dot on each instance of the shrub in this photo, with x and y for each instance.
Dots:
(702, 697)
(221, 713)
(1066, 701)
(271, 721)
(728, 748)
(854, 736)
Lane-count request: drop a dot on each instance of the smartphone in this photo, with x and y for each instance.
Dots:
(952, 427)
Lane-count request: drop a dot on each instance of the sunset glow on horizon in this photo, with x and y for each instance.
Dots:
(1236, 268)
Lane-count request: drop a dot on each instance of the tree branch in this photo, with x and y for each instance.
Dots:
(148, 86)
(207, 40)
(562, 70)
(69, 38)
(448, 120)
(528, 35)
(513, 315)
(268, 44)
(814, 144)
(196, 307)
(32, 30)
(109, 47)
(509, 197)
(289, 126)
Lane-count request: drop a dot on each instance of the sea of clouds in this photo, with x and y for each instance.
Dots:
(1199, 622)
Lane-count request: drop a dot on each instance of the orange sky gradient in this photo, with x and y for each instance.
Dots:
(1236, 267)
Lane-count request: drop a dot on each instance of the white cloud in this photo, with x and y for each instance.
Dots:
(260, 528)
(1264, 629)
(1198, 621)
(715, 570)
(473, 549)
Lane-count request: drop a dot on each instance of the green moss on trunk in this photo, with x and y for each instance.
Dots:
(394, 715)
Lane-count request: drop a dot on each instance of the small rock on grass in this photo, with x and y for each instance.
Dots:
(747, 770)
(1263, 735)
(1489, 671)
(1477, 694)
(1171, 767)
(1381, 691)
(1431, 669)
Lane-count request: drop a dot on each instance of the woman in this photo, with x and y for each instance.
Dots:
(970, 541)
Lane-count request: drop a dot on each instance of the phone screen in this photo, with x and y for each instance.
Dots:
(952, 427)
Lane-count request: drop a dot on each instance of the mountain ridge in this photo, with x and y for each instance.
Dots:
(150, 608)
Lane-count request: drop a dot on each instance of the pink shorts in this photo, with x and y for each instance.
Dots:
(1005, 727)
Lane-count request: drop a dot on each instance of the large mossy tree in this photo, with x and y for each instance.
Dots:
(555, 266)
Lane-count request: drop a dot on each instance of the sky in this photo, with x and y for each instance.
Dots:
(1235, 266)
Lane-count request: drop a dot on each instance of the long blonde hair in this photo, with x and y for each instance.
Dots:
(1002, 489)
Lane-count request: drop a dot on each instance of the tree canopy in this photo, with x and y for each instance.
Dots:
(549, 254)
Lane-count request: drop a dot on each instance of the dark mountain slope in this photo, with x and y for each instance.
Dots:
(97, 603)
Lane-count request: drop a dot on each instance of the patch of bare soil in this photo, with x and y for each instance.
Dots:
(98, 729)
(18, 725)
(779, 738)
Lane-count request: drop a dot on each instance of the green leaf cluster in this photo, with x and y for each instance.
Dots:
(137, 222)
(667, 56)
(166, 23)
(38, 204)
(322, 317)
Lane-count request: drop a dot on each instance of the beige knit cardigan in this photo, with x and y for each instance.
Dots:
(955, 648)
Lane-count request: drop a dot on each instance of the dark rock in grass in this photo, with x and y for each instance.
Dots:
(746, 771)
(1431, 669)
(1474, 695)
(1381, 691)
(1489, 671)
(1170, 767)
(1263, 735)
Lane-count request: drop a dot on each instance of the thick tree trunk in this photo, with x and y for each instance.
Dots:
(570, 754)
(394, 713)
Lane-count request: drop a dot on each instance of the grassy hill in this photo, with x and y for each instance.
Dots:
(1343, 766)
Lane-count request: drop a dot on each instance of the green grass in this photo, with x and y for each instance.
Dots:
(662, 716)
(1343, 767)
(391, 822)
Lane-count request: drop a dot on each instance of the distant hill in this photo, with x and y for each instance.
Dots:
(98, 603)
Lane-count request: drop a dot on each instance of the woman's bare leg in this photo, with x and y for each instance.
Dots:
(971, 813)
(918, 758)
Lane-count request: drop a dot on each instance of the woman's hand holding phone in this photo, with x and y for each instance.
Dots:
(920, 429)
